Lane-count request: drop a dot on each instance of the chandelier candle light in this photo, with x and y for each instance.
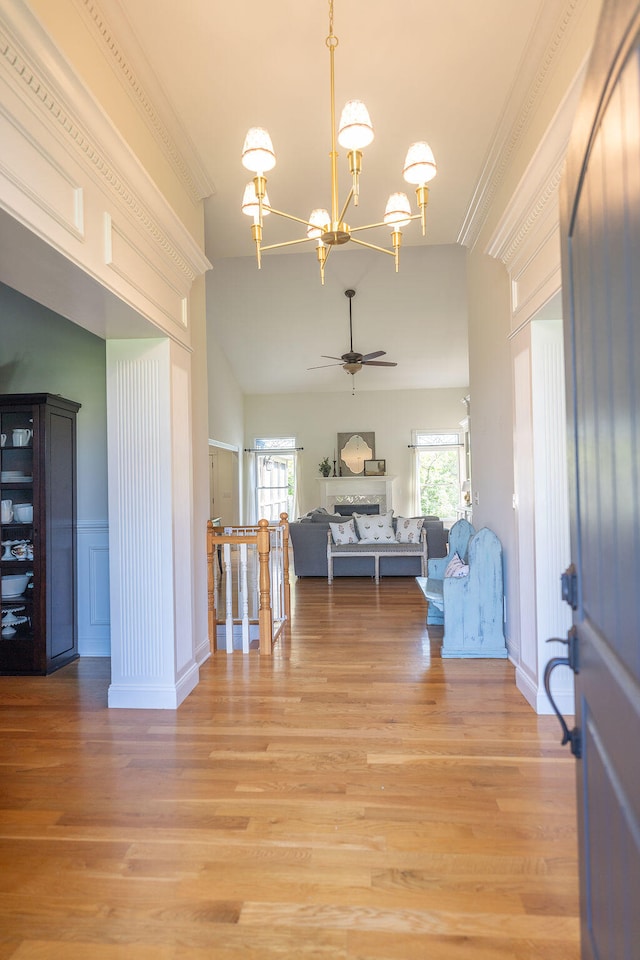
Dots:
(330, 230)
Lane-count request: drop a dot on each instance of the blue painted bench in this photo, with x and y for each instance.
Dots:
(459, 537)
(473, 605)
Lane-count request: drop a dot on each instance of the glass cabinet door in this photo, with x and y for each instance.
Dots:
(18, 570)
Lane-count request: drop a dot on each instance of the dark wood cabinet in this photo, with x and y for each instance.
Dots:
(38, 533)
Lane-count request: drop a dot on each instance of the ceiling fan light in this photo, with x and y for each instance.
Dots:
(398, 211)
(257, 153)
(352, 368)
(355, 130)
(320, 219)
(419, 164)
(250, 205)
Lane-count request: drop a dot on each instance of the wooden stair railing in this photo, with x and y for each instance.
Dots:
(271, 543)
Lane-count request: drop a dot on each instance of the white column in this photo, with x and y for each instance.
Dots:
(150, 523)
(542, 511)
(553, 549)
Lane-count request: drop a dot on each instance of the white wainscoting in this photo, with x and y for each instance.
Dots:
(94, 624)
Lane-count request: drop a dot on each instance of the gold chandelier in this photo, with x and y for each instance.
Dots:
(355, 132)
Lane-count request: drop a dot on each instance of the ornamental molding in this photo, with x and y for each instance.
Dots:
(37, 73)
(543, 202)
(146, 94)
(535, 198)
(517, 118)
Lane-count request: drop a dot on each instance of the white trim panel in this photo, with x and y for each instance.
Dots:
(94, 620)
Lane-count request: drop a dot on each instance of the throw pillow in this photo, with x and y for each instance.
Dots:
(375, 528)
(456, 568)
(408, 529)
(344, 532)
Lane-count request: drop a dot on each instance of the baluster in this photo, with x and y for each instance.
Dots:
(243, 595)
(229, 598)
(284, 520)
(265, 618)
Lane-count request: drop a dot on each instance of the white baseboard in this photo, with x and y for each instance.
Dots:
(537, 697)
(153, 696)
(203, 651)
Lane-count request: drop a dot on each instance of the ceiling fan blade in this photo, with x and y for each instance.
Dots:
(379, 363)
(372, 356)
(323, 365)
(341, 359)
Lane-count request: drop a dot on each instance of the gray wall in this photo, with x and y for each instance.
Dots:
(42, 352)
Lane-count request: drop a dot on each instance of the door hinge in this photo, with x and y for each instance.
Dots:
(569, 582)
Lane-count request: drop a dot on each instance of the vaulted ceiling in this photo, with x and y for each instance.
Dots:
(463, 75)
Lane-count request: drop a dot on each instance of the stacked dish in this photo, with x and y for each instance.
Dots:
(9, 476)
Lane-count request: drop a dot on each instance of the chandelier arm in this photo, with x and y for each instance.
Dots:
(346, 205)
(286, 243)
(289, 216)
(371, 246)
(369, 226)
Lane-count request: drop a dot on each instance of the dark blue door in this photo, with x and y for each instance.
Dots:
(601, 282)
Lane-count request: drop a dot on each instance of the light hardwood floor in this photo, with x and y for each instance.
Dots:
(352, 797)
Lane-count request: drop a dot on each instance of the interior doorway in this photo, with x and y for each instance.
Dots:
(224, 484)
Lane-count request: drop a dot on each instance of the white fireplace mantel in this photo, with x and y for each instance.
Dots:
(355, 490)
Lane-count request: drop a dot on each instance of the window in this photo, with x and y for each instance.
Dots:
(275, 473)
(438, 472)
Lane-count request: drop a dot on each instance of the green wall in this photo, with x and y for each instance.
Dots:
(42, 352)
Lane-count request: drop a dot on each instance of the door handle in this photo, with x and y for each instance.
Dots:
(572, 737)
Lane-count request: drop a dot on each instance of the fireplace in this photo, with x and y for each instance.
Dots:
(346, 509)
(337, 493)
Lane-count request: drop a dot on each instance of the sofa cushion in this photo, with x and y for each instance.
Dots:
(375, 528)
(408, 529)
(344, 532)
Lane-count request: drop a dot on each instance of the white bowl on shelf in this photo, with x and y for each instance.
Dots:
(14, 585)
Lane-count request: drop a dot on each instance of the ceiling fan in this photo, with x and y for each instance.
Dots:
(352, 361)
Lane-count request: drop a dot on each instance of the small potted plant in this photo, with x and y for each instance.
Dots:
(325, 467)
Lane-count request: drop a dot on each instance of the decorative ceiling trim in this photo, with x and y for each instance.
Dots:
(546, 194)
(146, 94)
(516, 119)
(36, 71)
(536, 194)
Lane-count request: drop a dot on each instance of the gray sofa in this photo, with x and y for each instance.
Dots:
(308, 539)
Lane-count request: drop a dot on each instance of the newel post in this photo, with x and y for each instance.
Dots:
(211, 588)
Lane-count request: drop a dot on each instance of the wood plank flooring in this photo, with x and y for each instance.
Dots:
(354, 796)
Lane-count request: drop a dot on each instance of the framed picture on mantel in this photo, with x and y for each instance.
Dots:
(353, 449)
(375, 468)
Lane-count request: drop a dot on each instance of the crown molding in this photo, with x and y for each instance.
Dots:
(127, 60)
(533, 77)
(43, 80)
(536, 195)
